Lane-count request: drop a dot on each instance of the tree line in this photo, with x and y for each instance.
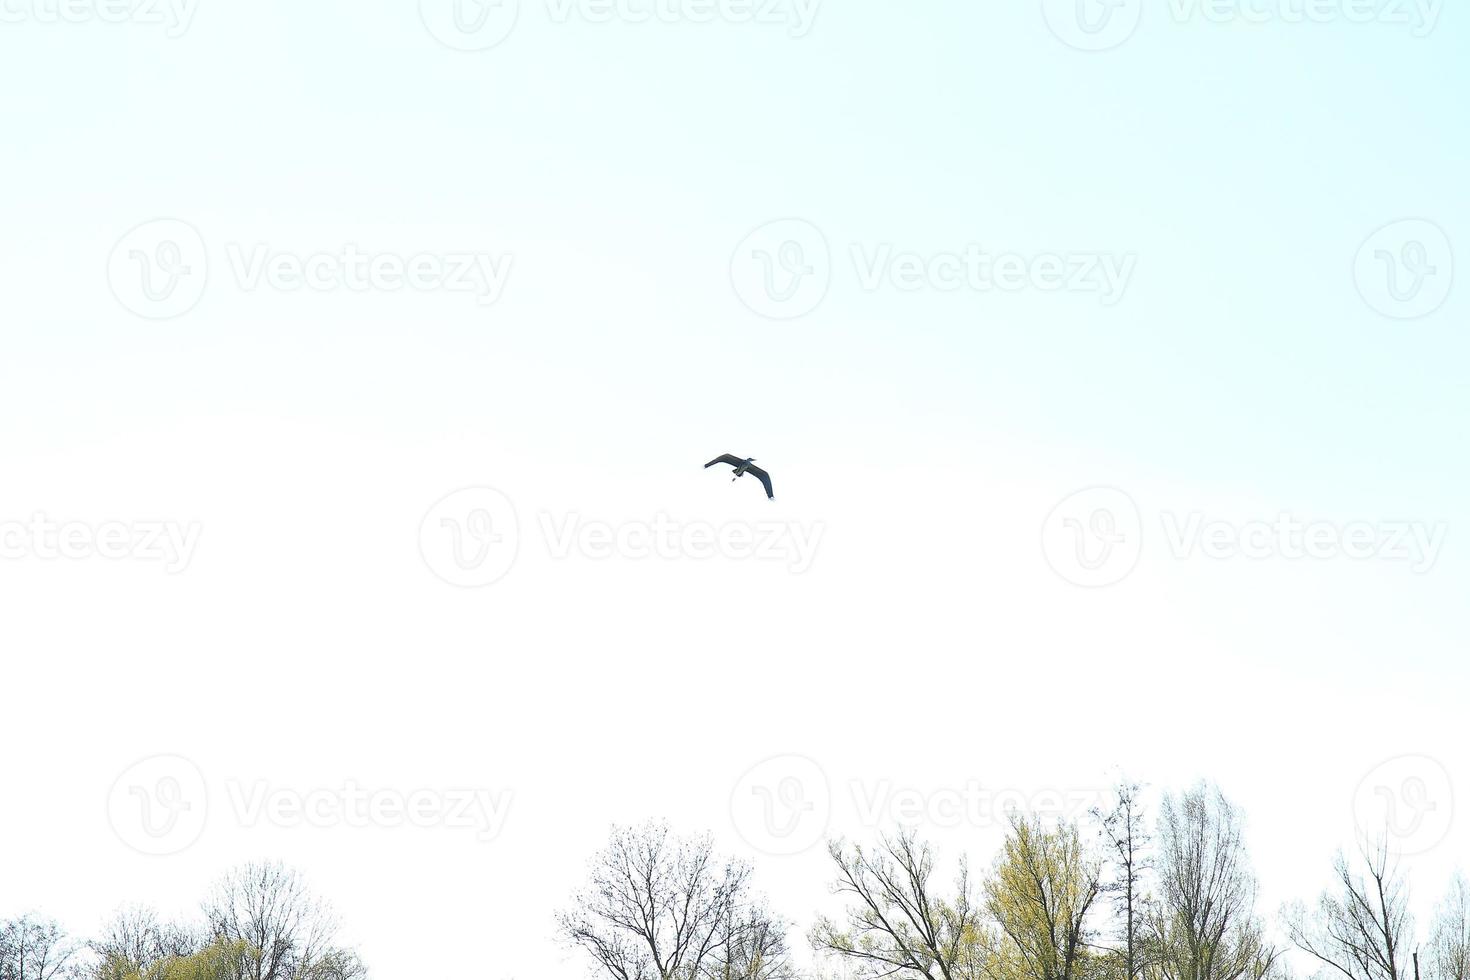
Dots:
(1121, 895)
(260, 922)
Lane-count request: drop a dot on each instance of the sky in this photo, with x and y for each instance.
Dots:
(361, 360)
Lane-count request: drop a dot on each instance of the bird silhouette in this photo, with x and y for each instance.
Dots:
(744, 466)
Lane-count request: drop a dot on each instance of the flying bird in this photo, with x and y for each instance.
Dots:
(744, 466)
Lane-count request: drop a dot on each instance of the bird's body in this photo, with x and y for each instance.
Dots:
(744, 466)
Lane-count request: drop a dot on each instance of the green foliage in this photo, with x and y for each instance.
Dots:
(1040, 894)
(219, 961)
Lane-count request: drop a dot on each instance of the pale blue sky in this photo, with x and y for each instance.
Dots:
(1242, 375)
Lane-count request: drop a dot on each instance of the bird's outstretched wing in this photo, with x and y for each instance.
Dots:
(764, 477)
(727, 458)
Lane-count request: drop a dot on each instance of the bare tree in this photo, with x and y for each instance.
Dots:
(898, 925)
(1125, 829)
(658, 907)
(756, 948)
(1041, 895)
(1361, 928)
(1205, 926)
(32, 948)
(1449, 941)
(287, 934)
